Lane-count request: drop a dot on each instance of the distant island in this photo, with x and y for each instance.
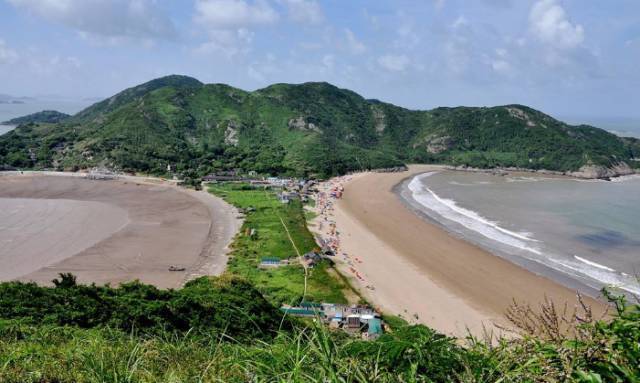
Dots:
(8, 99)
(310, 129)
(45, 116)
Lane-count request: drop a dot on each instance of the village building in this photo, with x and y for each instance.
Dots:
(311, 259)
(272, 262)
(353, 319)
(102, 173)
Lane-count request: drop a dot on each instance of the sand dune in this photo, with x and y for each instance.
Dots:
(110, 231)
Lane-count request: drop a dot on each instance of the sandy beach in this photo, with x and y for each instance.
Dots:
(408, 266)
(110, 231)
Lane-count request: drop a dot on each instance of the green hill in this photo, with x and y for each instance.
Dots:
(306, 129)
(45, 116)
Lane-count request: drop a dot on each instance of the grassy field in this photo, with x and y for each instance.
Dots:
(266, 215)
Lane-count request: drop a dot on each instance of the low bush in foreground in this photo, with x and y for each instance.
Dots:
(39, 345)
(223, 305)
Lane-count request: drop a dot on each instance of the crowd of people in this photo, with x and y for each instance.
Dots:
(328, 193)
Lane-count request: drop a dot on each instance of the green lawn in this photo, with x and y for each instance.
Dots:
(284, 284)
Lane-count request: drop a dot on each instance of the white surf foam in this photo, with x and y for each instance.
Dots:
(595, 271)
(629, 177)
(579, 267)
(449, 210)
(470, 184)
(527, 179)
(594, 264)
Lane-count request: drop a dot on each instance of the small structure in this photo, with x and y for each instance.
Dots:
(299, 311)
(283, 198)
(354, 319)
(353, 322)
(223, 176)
(216, 178)
(326, 250)
(269, 262)
(272, 262)
(374, 329)
(102, 173)
(312, 305)
(311, 259)
(257, 183)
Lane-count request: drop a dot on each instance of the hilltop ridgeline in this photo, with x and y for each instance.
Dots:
(45, 116)
(306, 129)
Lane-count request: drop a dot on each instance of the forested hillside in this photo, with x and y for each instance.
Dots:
(307, 129)
(47, 116)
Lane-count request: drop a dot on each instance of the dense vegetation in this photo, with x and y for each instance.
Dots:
(225, 304)
(267, 216)
(307, 129)
(46, 116)
(551, 348)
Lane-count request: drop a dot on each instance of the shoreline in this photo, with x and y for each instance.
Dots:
(166, 226)
(532, 266)
(421, 271)
(578, 175)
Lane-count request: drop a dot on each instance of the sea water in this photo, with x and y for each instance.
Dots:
(9, 111)
(583, 233)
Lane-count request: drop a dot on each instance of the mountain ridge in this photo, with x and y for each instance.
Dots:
(313, 128)
(45, 116)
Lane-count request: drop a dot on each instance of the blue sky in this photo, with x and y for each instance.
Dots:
(565, 57)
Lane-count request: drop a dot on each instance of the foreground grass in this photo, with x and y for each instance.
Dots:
(283, 284)
(592, 352)
(66, 354)
(222, 330)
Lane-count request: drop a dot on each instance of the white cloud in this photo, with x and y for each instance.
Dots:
(459, 48)
(408, 38)
(394, 63)
(228, 24)
(329, 62)
(110, 18)
(230, 14)
(460, 22)
(501, 66)
(54, 65)
(7, 55)
(500, 62)
(354, 45)
(263, 71)
(228, 42)
(304, 11)
(549, 24)
(255, 74)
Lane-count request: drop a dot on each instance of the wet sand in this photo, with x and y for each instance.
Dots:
(420, 271)
(110, 231)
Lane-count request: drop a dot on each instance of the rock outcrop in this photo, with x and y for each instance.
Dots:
(601, 172)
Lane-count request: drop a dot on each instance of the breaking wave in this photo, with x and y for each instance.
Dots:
(471, 220)
(448, 209)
